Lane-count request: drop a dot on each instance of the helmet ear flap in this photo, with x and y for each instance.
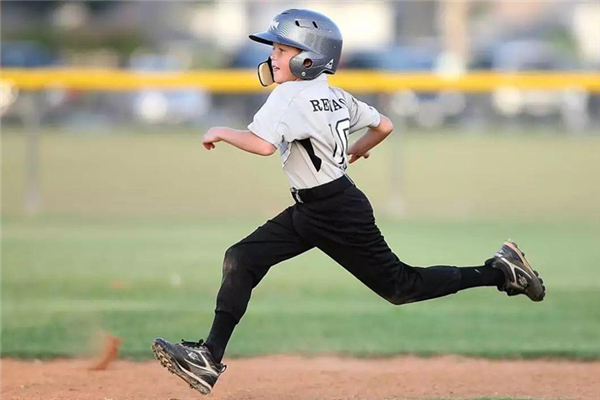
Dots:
(265, 73)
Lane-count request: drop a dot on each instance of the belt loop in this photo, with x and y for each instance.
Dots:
(296, 195)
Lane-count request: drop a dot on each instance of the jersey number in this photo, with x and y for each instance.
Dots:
(340, 136)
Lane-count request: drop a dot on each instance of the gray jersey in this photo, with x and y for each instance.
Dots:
(309, 122)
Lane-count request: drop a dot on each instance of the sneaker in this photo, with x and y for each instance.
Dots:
(191, 361)
(520, 277)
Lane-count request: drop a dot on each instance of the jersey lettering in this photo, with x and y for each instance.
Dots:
(336, 106)
(327, 104)
(316, 105)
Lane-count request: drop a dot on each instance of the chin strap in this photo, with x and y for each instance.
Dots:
(265, 73)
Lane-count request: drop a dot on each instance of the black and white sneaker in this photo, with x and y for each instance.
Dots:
(520, 277)
(191, 361)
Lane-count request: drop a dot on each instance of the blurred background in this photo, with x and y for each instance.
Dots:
(429, 39)
(435, 38)
(114, 216)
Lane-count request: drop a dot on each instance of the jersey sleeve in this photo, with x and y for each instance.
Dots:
(362, 115)
(276, 121)
(267, 118)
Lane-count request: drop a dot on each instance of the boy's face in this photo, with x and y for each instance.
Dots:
(280, 59)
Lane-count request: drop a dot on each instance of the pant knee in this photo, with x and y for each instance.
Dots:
(397, 299)
(232, 260)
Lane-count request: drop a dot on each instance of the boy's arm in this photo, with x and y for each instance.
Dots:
(370, 139)
(244, 140)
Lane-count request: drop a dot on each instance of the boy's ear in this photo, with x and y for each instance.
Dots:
(265, 73)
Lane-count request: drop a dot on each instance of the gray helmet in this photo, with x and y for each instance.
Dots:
(317, 36)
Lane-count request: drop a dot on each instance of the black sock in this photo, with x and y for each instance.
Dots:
(220, 333)
(480, 276)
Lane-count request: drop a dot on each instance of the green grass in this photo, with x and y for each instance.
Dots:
(126, 217)
(451, 177)
(64, 278)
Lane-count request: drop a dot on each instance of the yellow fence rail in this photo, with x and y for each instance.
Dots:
(245, 81)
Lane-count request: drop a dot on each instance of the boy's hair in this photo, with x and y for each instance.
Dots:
(317, 36)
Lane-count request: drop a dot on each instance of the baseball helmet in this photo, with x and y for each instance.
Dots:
(317, 36)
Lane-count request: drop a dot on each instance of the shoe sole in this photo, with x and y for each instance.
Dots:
(537, 283)
(173, 367)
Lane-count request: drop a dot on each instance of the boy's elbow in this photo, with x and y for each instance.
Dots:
(260, 146)
(385, 126)
(266, 149)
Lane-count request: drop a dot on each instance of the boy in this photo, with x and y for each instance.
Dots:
(309, 122)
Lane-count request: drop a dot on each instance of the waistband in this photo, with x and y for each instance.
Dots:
(321, 191)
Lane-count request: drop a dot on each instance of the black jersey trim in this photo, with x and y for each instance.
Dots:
(307, 144)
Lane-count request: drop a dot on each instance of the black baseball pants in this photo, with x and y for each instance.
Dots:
(343, 227)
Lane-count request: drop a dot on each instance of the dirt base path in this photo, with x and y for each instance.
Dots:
(297, 378)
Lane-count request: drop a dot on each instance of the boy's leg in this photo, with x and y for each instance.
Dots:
(484, 275)
(344, 228)
(245, 264)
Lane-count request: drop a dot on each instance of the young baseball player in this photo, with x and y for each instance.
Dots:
(309, 122)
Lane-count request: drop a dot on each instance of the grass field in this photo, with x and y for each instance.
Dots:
(134, 230)
(64, 279)
(448, 176)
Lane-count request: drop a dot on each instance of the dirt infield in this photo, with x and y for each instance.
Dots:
(322, 378)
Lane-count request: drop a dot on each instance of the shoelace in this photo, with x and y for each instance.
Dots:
(194, 345)
(199, 344)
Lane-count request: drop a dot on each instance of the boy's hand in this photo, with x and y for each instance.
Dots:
(372, 137)
(210, 138)
(355, 156)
